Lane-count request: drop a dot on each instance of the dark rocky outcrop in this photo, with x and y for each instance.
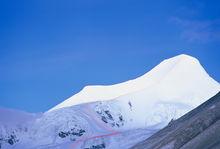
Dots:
(108, 118)
(99, 146)
(198, 129)
(71, 133)
(10, 139)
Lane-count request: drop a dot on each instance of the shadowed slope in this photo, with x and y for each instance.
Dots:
(198, 129)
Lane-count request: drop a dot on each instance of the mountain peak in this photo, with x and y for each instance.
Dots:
(182, 57)
(182, 72)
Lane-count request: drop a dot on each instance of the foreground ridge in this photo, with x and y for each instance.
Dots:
(198, 129)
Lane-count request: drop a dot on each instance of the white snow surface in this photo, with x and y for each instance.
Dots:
(116, 116)
(178, 78)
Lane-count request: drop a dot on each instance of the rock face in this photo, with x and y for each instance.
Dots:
(198, 129)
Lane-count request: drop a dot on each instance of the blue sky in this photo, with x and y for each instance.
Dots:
(49, 50)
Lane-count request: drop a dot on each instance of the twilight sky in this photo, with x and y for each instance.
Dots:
(50, 49)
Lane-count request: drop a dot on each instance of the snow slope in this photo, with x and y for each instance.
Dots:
(171, 78)
(10, 116)
(14, 126)
(119, 116)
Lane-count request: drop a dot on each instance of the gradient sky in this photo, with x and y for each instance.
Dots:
(49, 49)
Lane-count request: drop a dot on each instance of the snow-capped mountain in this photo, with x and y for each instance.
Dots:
(119, 116)
(179, 76)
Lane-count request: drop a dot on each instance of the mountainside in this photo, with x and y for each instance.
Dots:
(14, 126)
(198, 129)
(116, 116)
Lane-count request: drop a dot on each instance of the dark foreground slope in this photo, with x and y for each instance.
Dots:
(198, 129)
